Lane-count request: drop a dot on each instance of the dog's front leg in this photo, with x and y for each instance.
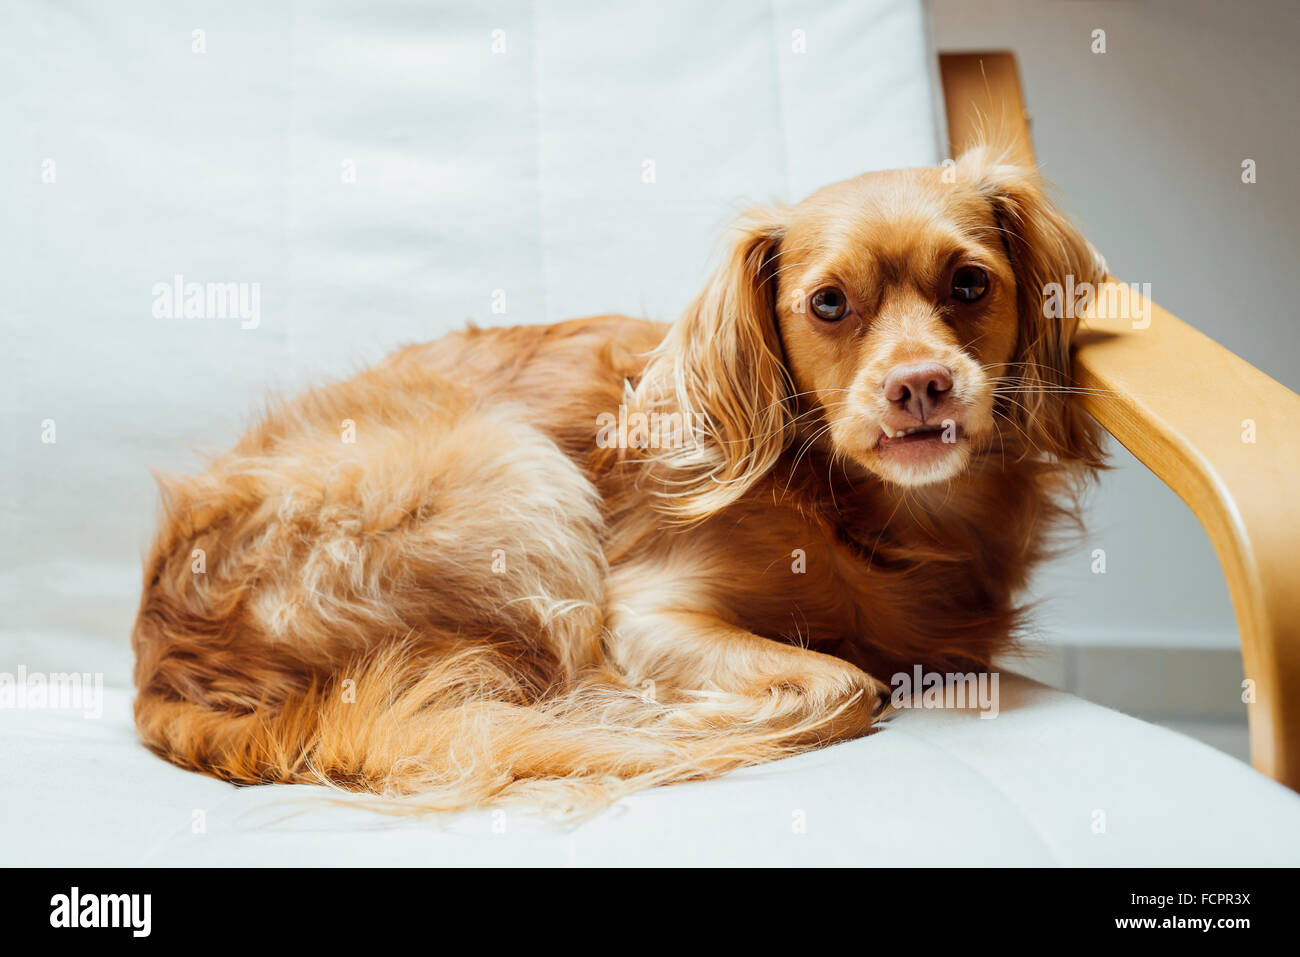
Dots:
(708, 670)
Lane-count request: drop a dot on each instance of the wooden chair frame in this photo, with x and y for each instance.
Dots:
(1212, 427)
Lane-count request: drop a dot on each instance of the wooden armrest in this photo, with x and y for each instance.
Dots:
(1223, 436)
(1217, 431)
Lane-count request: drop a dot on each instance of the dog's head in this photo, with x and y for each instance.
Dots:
(900, 315)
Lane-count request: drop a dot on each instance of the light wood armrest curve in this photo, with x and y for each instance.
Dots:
(1223, 436)
(1184, 406)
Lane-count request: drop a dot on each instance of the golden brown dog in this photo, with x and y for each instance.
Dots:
(554, 564)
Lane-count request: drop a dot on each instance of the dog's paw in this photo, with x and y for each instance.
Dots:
(827, 689)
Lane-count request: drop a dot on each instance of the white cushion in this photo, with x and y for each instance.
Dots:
(930, 788)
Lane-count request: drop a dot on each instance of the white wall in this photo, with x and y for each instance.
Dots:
(1146, 142)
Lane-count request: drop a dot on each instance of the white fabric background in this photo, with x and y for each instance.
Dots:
(475, 171)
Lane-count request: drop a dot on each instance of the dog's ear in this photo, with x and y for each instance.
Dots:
(722, 365)
(1044, 249)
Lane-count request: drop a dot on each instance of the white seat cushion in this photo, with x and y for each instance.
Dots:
(930, 788)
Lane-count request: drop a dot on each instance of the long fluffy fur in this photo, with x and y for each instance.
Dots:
(472, 604)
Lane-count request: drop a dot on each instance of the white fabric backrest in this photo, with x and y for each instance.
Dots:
(380, 172)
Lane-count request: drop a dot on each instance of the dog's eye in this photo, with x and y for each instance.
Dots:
(829, 304)
(969, 283)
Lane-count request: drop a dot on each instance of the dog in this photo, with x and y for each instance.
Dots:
(551, 565)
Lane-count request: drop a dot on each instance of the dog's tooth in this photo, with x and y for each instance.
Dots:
(889, 433)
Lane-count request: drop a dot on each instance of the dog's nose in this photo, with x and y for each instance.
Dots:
(917, 389)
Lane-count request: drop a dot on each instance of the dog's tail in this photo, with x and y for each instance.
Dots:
(463, 731)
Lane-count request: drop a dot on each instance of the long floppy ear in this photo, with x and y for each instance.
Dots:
(1048, 256)
(721, 366)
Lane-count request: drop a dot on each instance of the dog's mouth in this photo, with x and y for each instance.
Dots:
(890, 436)
(920, 447)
